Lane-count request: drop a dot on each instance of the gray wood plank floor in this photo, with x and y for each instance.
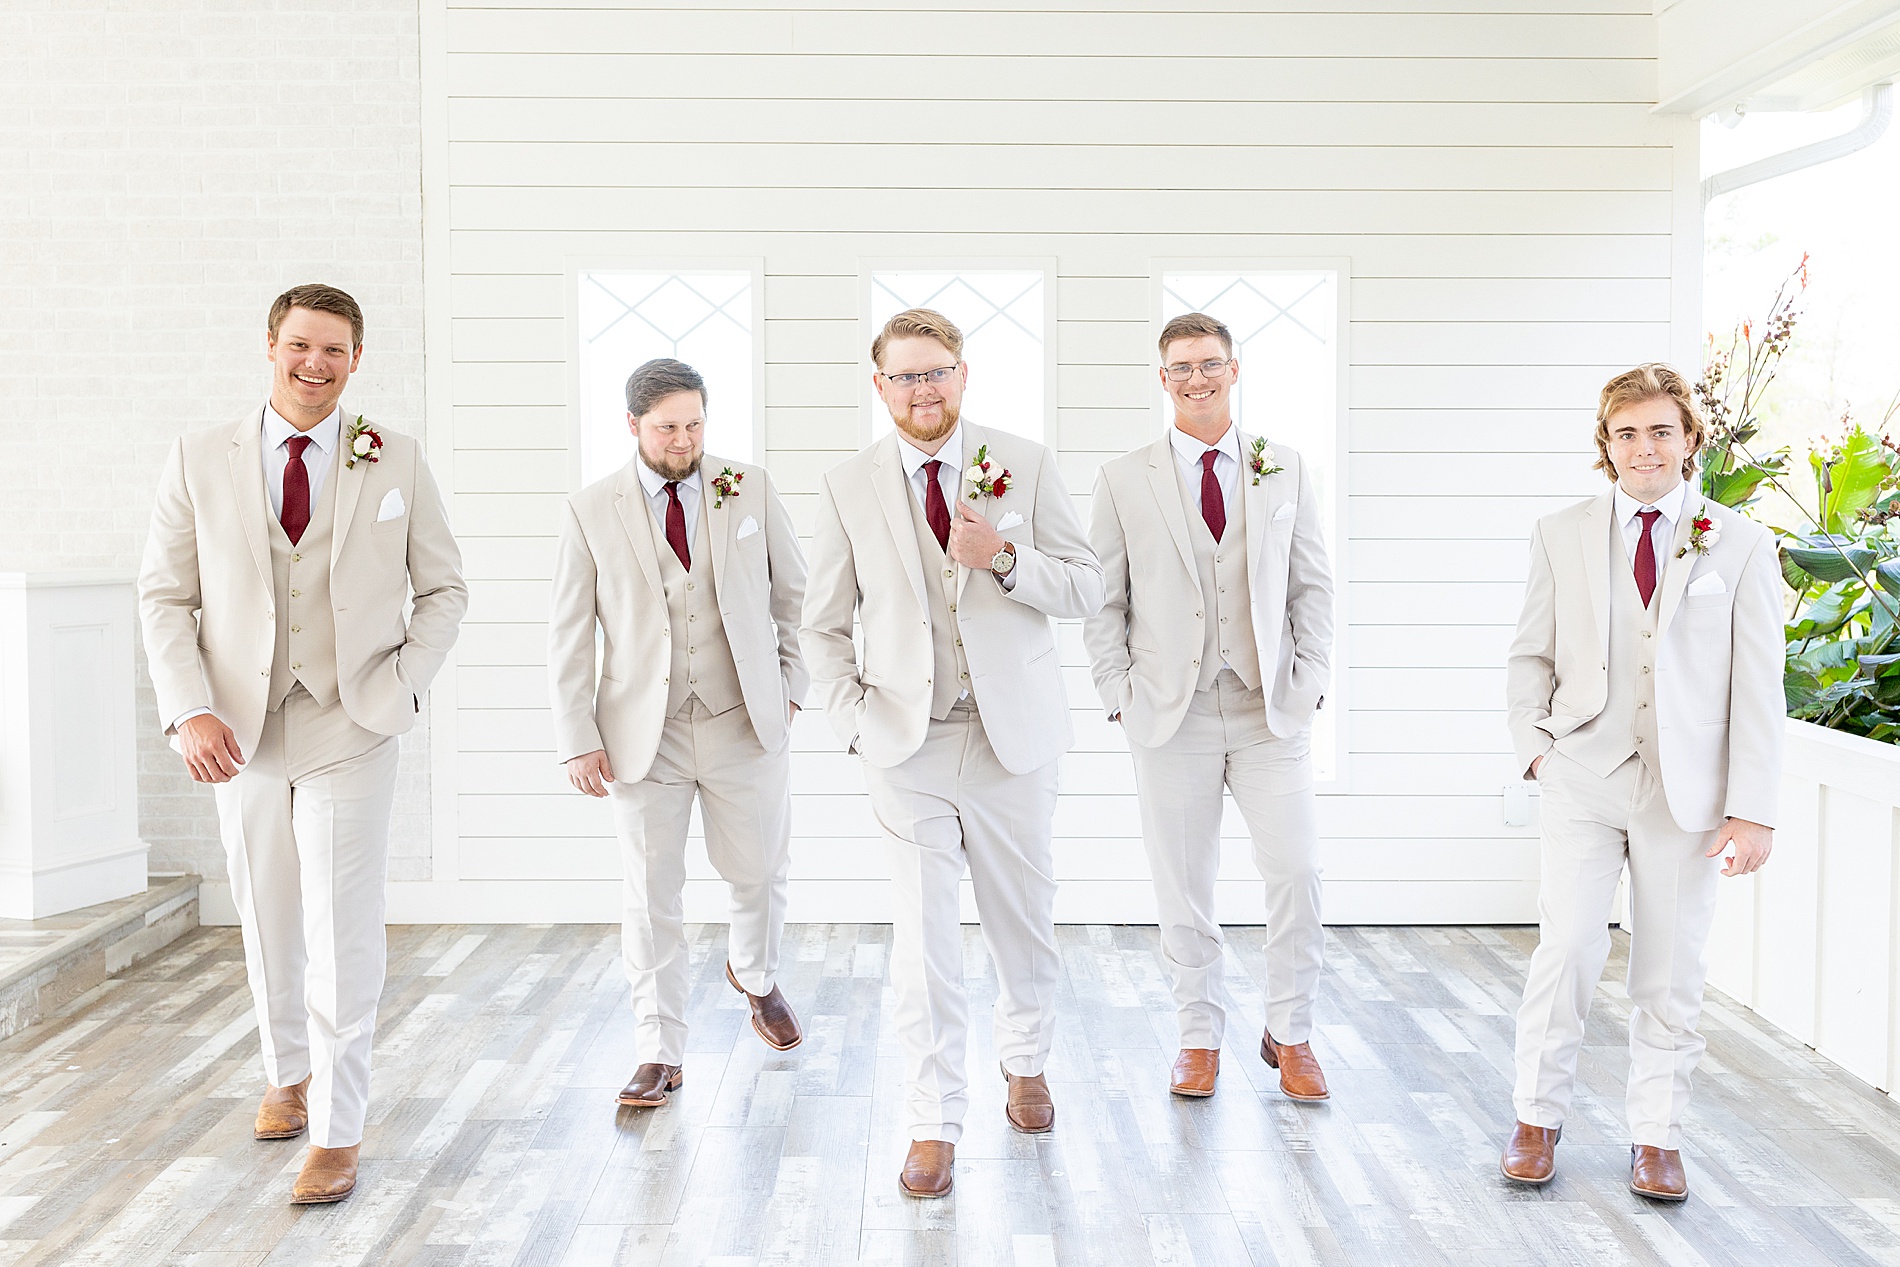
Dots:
(125, 1123)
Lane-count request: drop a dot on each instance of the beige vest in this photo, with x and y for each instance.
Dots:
(1627, 724)
(702, 658)
(949, 671)
(1221, 568)
(306, 623)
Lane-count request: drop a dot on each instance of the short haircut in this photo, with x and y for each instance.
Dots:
(1192, 325)
(1649, 382)
(658, 379)
(318, 298)
(918, 323)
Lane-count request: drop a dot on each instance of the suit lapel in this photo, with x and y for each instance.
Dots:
(1166, 486)
(631, 502)
(349, 481)
(720, 525)
(1676, 570)
(973, 439)
(893, 495)
(1253, 496)
(247, 480)
(1596, 539)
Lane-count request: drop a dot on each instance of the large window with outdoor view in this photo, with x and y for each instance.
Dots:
(1003, 315)
(1287, 337)
(625, 317)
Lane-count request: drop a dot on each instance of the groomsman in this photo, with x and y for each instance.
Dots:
(689, 567)
(280, 557)
(1645, 698)
(953, 545)
(1211, 650)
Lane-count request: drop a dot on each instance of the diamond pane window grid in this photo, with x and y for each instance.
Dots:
(1001, 315)
(630, 317)
(1285, 328)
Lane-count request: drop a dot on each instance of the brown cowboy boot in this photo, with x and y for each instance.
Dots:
(1194, 1071)
(1531, 1156)
(1300, 1076)
(285, 1112)
(649, 1086)
(328, 1174)
(1030, 1110)
(1656, 1173)
(772, 1017)
(927, 1168)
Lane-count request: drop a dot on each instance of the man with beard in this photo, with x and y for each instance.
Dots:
(694, 581)
(954, 545)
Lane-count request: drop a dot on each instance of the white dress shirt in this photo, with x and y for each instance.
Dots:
(949, 475)
(318, 456)
(657, 501)
(1187, 456)
(1662, 533)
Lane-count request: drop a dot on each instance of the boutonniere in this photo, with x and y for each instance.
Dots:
(982, 483)
(1703, 534)
(362, 444)
(1262, 463)
(725, 484)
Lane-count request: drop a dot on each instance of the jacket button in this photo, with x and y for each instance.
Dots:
(296, 629)
(296, 593)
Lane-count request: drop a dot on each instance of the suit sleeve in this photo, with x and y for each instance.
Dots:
(1105, 634)
(831, 600)
(1530, 669)
(787, 563)
(170, 596)
(571, 618)
(1309, 597)
(1058, 575)
(1757, 707)
(435, 578)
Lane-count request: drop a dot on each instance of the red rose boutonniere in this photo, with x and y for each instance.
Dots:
(1262, 463)
(725, 484)
(982, 483)
(1703, 534)
(362, 444)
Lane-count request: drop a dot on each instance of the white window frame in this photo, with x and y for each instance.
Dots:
(577, 267)
(1338, 547)
(868, 402)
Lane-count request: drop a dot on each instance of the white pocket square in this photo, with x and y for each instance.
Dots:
(1008, 521)
(747, 527)
(1285, 512)
(392, 506)
(1703, 586)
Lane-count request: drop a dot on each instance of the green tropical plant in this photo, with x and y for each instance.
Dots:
(1843, 630)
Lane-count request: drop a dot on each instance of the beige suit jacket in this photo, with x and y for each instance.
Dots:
(1720, 711)
(205, 591)
(607, 572)
(865, 560)
(1145, 644)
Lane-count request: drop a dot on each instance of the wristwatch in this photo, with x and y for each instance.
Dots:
(1004, 561)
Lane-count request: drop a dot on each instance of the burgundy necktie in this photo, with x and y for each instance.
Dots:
(1213, 506)
(935, 511)
(296, 516)
(1646, 555)
(676, 525)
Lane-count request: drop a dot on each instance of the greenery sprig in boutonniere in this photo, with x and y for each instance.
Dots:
(362, 444)
(1262, 463)
(1703, 534)
(725, 484)
(982, 483)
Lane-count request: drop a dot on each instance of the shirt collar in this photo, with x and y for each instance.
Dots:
(325, 434)
(951, 454)
(655, 483)
(1190, 450)
(1670, 503)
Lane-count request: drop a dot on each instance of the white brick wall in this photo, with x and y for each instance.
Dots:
(165, 170)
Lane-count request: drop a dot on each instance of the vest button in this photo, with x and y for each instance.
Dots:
(296, 558)
(265, 672)
(296, 593)
(296, 629)
(1197, 615)
(949, 572)
(296, 666)
(692, 618)
(270, 615)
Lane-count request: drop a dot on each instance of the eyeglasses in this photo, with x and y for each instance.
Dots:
(933, 377)
(1181, 372)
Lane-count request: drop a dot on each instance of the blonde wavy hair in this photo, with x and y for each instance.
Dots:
(1649, 382)
(918, 323)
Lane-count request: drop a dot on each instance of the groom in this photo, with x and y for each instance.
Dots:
(281, 555)
(1644, 689)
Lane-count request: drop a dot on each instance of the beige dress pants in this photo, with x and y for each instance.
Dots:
(306, 837)
(1592, 826)
(950, 804)
(745, 802)
(1224, 739)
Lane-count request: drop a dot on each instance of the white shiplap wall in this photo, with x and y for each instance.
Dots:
(1517, 224)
